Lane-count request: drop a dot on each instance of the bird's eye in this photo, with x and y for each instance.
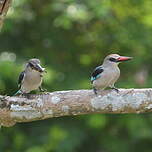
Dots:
(112, 59)
(31, 65)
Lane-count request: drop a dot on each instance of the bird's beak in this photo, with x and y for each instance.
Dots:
(123, 58)
(39, 68)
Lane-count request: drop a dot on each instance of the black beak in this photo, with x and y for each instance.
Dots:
(37, 67)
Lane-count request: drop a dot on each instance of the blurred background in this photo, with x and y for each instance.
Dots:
(71, 38)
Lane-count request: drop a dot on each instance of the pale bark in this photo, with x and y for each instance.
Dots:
(4, 5)
(73, 102)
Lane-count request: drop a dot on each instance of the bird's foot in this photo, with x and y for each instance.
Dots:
(26, 95)
(42, 90)
(116, 89)
(95, 91)
(43, 93)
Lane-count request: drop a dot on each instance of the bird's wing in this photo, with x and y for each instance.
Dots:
(96, 73)
(20, 79)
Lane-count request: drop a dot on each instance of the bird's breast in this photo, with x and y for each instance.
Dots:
(107, 78)
(33, 77)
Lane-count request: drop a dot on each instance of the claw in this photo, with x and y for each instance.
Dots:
(116, 89)
(95, 91)
(42, 90)
(26, 95)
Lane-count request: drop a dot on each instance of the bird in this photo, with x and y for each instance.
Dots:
(108, 73)
(31, 78)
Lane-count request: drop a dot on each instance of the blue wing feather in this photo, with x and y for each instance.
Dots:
(96, 73)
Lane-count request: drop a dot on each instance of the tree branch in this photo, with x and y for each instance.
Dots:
(73, 102)
(4, 5)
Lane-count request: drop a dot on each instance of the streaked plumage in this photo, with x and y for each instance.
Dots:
(108, 73)
(20, 79)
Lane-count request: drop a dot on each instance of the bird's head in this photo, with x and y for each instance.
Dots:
(116, 59)
(34, 64)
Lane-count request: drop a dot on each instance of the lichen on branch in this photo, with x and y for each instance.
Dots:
(73, 102)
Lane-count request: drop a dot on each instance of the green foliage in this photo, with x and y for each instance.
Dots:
(71, 38)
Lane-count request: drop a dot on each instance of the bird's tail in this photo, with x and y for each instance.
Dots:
(18, 92)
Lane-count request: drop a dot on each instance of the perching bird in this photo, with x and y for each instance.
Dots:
(31, 78)
(108, 73)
